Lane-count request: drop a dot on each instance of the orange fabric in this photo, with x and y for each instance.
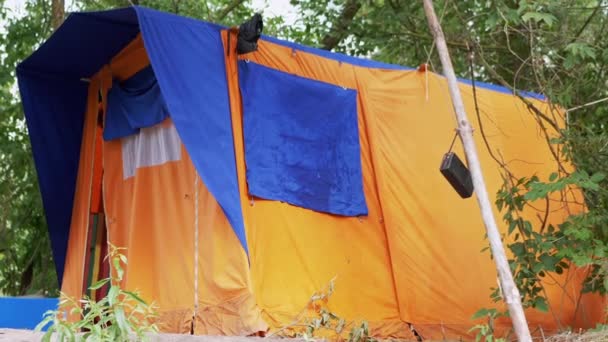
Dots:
(226, 303)
(72, 283)
(417, 255)
(414, 259)
(130, 59)
(433, 234)
(295, 252)
(153, 215)
(154, 221)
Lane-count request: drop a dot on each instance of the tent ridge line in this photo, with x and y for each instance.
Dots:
(94, 15)
(29, 71)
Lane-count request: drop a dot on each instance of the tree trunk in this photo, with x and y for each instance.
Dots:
(58, 9)
(222, 13)
(509, 289)
(339, 28)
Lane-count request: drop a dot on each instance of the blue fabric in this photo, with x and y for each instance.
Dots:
(188, 59)
(24, 313)
(133, 104)
(54, 115)
(301, 141)
(54, 102)
(84, 43)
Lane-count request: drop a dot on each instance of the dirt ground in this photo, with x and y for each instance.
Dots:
(13, 335)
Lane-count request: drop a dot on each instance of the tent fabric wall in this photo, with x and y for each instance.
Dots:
(152, 214)
(53, 108)
(72, 281)
(197, 99)
(430, 238)
(443, 262)
(54, 100)
(294, 251)
(413, 259)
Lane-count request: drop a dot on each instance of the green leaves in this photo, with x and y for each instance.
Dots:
(540, 303)
(542, 249)
(548, 261)
(24, 242)
(99, 284)
(577, 53)
(581, 50)
(490, 313)
(597, 177)
(486, 331)
(538, 17)
(114, 317)
(579, 179)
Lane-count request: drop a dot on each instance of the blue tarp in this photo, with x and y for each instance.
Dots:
(23, 312)
(188, 59)
(55, 130)
(301, 141)
(133, 104)
(54, 101)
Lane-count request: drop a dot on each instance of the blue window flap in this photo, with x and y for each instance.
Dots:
(301, 141)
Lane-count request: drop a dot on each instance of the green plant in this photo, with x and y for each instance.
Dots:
(118, 316)
(544, 249)
(321, 321)
(486, 331)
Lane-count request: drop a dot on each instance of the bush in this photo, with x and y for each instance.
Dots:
(118, 316)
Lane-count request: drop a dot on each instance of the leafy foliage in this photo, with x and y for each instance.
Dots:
(26, 265)
(118, 316)
(485, 331)
(550, 249)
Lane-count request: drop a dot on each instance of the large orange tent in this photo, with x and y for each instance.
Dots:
(240, 184)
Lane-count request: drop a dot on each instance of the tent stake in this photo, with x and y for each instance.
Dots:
(509, 289)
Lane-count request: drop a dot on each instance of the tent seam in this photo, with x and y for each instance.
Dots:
(370, 143)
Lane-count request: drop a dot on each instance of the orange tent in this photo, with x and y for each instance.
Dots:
(237, 200)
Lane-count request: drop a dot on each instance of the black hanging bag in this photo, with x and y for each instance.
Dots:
(249, 33)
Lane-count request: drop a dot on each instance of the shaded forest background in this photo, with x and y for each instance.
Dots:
(554, 47)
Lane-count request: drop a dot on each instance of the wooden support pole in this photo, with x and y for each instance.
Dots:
(509, 289)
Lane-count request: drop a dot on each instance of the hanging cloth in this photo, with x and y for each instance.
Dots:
(133, 104)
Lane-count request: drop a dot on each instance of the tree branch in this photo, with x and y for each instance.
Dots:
(58, 12)
(222, 13)
(527, 102)
(580, 31)
(339, 28)
(176, 6)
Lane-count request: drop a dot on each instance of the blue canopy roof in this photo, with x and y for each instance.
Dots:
(187, 58)
(196, 93)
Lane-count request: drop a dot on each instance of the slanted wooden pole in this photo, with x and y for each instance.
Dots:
(509, 290)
